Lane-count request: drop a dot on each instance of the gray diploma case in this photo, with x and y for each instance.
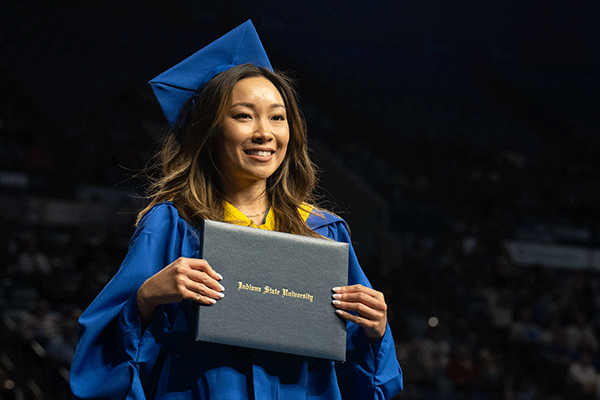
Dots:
(278, 291)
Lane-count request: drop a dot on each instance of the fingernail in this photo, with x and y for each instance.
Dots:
(337, 296)
(221, 295)
(336, 302)
(336, 289)
(212, 301)
(219, 275)
(221, 287)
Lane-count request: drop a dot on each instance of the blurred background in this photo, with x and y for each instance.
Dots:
(460, 141)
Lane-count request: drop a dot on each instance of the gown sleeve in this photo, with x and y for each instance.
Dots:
(371, 370)
(114, 357)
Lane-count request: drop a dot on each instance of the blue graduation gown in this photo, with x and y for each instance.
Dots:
(116, 360)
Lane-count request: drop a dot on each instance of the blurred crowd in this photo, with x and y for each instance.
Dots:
(470, 324)
(49, 276)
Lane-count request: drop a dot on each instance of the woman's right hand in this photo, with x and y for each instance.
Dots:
(184, 278)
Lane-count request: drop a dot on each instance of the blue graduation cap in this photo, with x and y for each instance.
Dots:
(179, 83)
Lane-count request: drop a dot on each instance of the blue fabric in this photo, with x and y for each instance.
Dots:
(116, 360)
(176, 85)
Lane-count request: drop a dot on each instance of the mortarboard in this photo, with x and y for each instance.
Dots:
(182, 81)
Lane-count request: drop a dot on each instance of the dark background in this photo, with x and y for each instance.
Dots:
(445, 131)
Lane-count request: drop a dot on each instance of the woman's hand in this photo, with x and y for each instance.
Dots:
(184, 278)
(369, 305)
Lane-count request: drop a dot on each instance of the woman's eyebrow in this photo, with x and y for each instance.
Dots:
(252, 106)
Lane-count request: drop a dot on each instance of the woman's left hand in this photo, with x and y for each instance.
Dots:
(369, 305)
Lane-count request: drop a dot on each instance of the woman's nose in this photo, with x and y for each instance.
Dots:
(262, 131)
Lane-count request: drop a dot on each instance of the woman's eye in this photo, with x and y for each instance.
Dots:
(279, 117)
(242, 116)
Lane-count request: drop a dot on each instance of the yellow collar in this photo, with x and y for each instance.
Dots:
(235, 216)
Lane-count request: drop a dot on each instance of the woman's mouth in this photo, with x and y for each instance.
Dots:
(260, 153)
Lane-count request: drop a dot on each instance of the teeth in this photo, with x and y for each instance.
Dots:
(262, 153)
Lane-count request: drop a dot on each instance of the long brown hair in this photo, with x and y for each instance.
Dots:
(188, 175)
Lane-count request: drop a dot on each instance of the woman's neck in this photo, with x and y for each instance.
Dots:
(251, 200)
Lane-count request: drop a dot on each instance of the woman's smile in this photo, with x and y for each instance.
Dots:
(260, 154)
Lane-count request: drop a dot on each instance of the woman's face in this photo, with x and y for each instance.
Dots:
(255, 132)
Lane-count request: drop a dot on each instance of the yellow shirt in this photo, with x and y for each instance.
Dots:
(235, 216)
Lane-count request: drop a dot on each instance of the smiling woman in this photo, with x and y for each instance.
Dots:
(237, 152)
(237, 113)
(253, 144)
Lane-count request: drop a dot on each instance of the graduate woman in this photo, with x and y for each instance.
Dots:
(236, 153)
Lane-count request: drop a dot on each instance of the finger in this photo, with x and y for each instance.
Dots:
(356, 298)
(203, 265)
(360, 309)
(357, 319)
(200, 292)
(207, 301)
(203, 278)
(358, 289)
